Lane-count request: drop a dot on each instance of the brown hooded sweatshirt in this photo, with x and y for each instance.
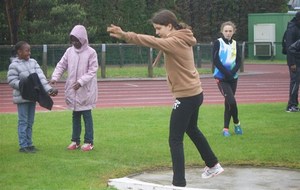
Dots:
(182, 75)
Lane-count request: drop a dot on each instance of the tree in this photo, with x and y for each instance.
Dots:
(49, 22)
(43, 21)
(205, 17)
(99, 15)
(15, 12)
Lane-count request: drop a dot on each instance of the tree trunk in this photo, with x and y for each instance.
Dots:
(14, 17)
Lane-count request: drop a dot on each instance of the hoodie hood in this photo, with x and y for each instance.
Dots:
(295, 22)
(80, 33)
(186, 35)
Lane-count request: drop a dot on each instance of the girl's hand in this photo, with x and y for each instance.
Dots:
(293, 68)
(53, 92)
(52, 82)
(76, 86)
(116, 32)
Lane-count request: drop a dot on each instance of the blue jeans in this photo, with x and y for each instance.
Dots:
(183, 120)
(88, 122)
(26, 112)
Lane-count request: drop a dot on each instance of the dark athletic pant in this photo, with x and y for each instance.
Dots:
(183, 120)
(294, 88)
(228, 90)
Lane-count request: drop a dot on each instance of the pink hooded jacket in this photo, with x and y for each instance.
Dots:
(81, 66)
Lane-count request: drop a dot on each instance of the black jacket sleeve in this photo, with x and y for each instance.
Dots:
(292, 35)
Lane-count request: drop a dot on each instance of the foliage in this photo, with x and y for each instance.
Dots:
(61, 19)
(44, 21)
(206, 16)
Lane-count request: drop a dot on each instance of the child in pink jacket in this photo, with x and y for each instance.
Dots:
(81, 63)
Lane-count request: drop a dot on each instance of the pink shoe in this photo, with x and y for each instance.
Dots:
(87, 147)
(73, 146)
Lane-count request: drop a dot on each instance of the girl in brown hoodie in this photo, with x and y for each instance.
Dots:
(176, 41)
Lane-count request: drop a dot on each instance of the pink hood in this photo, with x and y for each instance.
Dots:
(80, 33)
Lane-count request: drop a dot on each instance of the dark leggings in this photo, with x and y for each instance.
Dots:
(183, 120)
(228, 90)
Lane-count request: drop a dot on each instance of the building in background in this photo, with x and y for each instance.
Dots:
(265, 31)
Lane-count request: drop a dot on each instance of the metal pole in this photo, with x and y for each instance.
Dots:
(242, 57)
(121, 55)
(103, 64)
(150, 68)
(44, 64)
(212, 57)
(199, 61)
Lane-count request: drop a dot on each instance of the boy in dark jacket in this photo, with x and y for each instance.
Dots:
(293, 62)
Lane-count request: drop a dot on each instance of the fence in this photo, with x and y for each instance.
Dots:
(108, 55)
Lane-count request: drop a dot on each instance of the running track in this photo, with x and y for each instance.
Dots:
(258, 84)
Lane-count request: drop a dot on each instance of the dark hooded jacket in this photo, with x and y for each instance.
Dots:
(292, 35)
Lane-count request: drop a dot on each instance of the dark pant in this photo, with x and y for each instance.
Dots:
(88, 122)
(294, 87)
(228, 90)
(184, 119)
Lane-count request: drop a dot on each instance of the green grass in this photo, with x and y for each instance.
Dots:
(134, 72)
(141, 71)
(266, 61)
(120, 72)
(131, 140)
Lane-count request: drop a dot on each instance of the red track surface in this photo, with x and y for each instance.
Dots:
(258, 84)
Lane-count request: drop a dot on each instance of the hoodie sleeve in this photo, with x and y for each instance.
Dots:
(180, 37)
(291, 37)
(147, 40)
(61, 67)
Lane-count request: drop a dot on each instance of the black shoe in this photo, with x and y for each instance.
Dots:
(292, 109)
(32, 148)
(24, 150)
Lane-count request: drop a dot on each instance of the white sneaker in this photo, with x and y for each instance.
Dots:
(205, 168)
(87, 147)
(213, 171)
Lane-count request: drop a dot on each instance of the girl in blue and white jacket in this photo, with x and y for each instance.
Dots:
(227, 61)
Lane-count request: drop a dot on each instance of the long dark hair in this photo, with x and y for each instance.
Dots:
(165, 17)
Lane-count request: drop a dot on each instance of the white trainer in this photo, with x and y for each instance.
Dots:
(213, 171)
